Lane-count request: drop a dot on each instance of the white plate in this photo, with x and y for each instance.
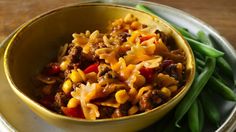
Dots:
(16, 116)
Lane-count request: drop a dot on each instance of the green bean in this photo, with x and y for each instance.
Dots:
(197, 85)
(203, 38)
(204, 49)
(222, 89)
(200, 80)
(220, 61)
(224, 66)
(198, 55)
(220, 86)
(196, 88)
(145, 9)
(210, 109)
(200, 115)
(184, 32)
(215, 83)
(193, 118)
(201, 64)
(219, 77)
(187, 30)
(230, 55)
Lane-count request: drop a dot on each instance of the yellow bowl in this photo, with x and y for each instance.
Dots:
(33, 46)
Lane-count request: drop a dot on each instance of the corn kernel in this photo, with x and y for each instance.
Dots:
(67, 86)
(133, 110)
(121, 96)
(132, 92)
(75, 76)
(166, 91)
(173, 88)
(64, 65)
(73, 102)
(82, 75)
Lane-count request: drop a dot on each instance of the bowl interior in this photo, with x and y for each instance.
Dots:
(34, 45)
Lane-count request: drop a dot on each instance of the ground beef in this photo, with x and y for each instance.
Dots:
(123, 36)
(125, 107)
(108, 78)
(172, 71)
(86, 60)
(103, 69)
(75, 53)
(150, 100)
(122, 110)
(61, 99)
(105, 111)
(145, 102)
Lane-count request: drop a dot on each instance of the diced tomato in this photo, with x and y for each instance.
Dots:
(147, 37)
(73, 112)
(148, 73)
(54, 69)
(92, 68)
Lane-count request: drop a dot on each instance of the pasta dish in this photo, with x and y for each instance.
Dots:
(130, 69)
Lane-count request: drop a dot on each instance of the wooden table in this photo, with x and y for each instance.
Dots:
(221, 14)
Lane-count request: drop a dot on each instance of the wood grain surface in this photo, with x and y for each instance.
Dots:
(221, 14)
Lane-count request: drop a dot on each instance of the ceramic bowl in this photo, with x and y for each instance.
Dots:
(37, 42)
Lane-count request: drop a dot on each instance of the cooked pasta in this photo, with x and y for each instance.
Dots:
(130, 69)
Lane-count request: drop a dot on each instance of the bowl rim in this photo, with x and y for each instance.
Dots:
(50, 113)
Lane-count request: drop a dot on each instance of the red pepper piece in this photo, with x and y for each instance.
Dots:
(73, 112)
(148, 73)
(144, 38)
(53, 69)
(92, 68)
